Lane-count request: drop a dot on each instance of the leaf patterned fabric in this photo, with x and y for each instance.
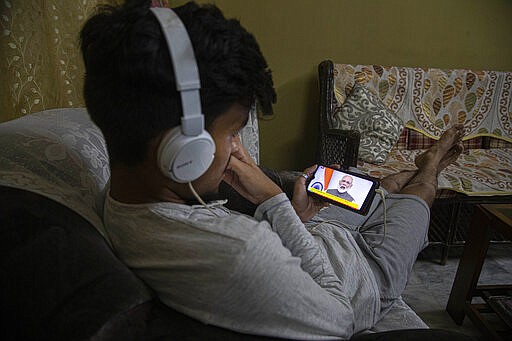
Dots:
(432, 100)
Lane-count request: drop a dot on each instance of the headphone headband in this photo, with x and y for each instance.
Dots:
(187, 151)
(186, 73)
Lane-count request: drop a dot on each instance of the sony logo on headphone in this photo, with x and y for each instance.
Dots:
(184, 164)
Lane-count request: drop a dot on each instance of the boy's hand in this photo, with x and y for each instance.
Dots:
(305, 206)
(248, 179)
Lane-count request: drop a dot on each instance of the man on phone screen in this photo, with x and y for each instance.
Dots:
(344, 185)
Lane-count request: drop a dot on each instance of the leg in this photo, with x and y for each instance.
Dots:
(404, 232)
(391, 246)
(395, 182)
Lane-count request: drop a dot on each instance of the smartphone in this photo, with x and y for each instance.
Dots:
(347, 189)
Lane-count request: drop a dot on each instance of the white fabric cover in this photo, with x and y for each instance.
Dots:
(58, 153)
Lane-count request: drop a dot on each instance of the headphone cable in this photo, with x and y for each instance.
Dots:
(198, 198)
(381, 192)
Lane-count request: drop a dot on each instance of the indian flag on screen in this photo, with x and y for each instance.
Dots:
(322, 178)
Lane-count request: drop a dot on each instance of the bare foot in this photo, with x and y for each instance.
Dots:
(444, 151)
(451, 156)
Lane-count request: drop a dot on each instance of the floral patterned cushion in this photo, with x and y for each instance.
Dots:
(379, 127)
(476, 172)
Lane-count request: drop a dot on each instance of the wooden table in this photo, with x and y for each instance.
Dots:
(487, 217)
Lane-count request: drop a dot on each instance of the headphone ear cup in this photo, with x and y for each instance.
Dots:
(185, 158)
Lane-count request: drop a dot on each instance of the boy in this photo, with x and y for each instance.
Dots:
(289, 271)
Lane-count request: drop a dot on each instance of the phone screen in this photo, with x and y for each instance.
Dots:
(343, 188)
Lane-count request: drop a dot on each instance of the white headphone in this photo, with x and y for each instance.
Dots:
(187, 151)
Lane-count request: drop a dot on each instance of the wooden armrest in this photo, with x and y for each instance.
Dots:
(335, 146)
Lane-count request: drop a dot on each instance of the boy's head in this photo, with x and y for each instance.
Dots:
(129, 86)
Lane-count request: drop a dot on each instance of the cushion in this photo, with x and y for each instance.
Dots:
(379, 127)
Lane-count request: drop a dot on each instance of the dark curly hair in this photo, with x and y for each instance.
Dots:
(129, 86)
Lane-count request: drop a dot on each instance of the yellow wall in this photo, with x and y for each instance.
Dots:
(295, 35)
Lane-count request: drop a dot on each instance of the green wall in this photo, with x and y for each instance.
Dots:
(295, 35)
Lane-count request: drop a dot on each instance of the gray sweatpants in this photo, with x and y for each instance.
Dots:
(391, 253)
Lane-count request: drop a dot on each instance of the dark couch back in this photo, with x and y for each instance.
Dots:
(59, 278)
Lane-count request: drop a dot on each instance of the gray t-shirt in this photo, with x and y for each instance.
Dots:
(268, 274)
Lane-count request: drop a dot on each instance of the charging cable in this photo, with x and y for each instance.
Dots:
(383, 197)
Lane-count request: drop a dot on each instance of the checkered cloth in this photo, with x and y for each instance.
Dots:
(411, 139)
